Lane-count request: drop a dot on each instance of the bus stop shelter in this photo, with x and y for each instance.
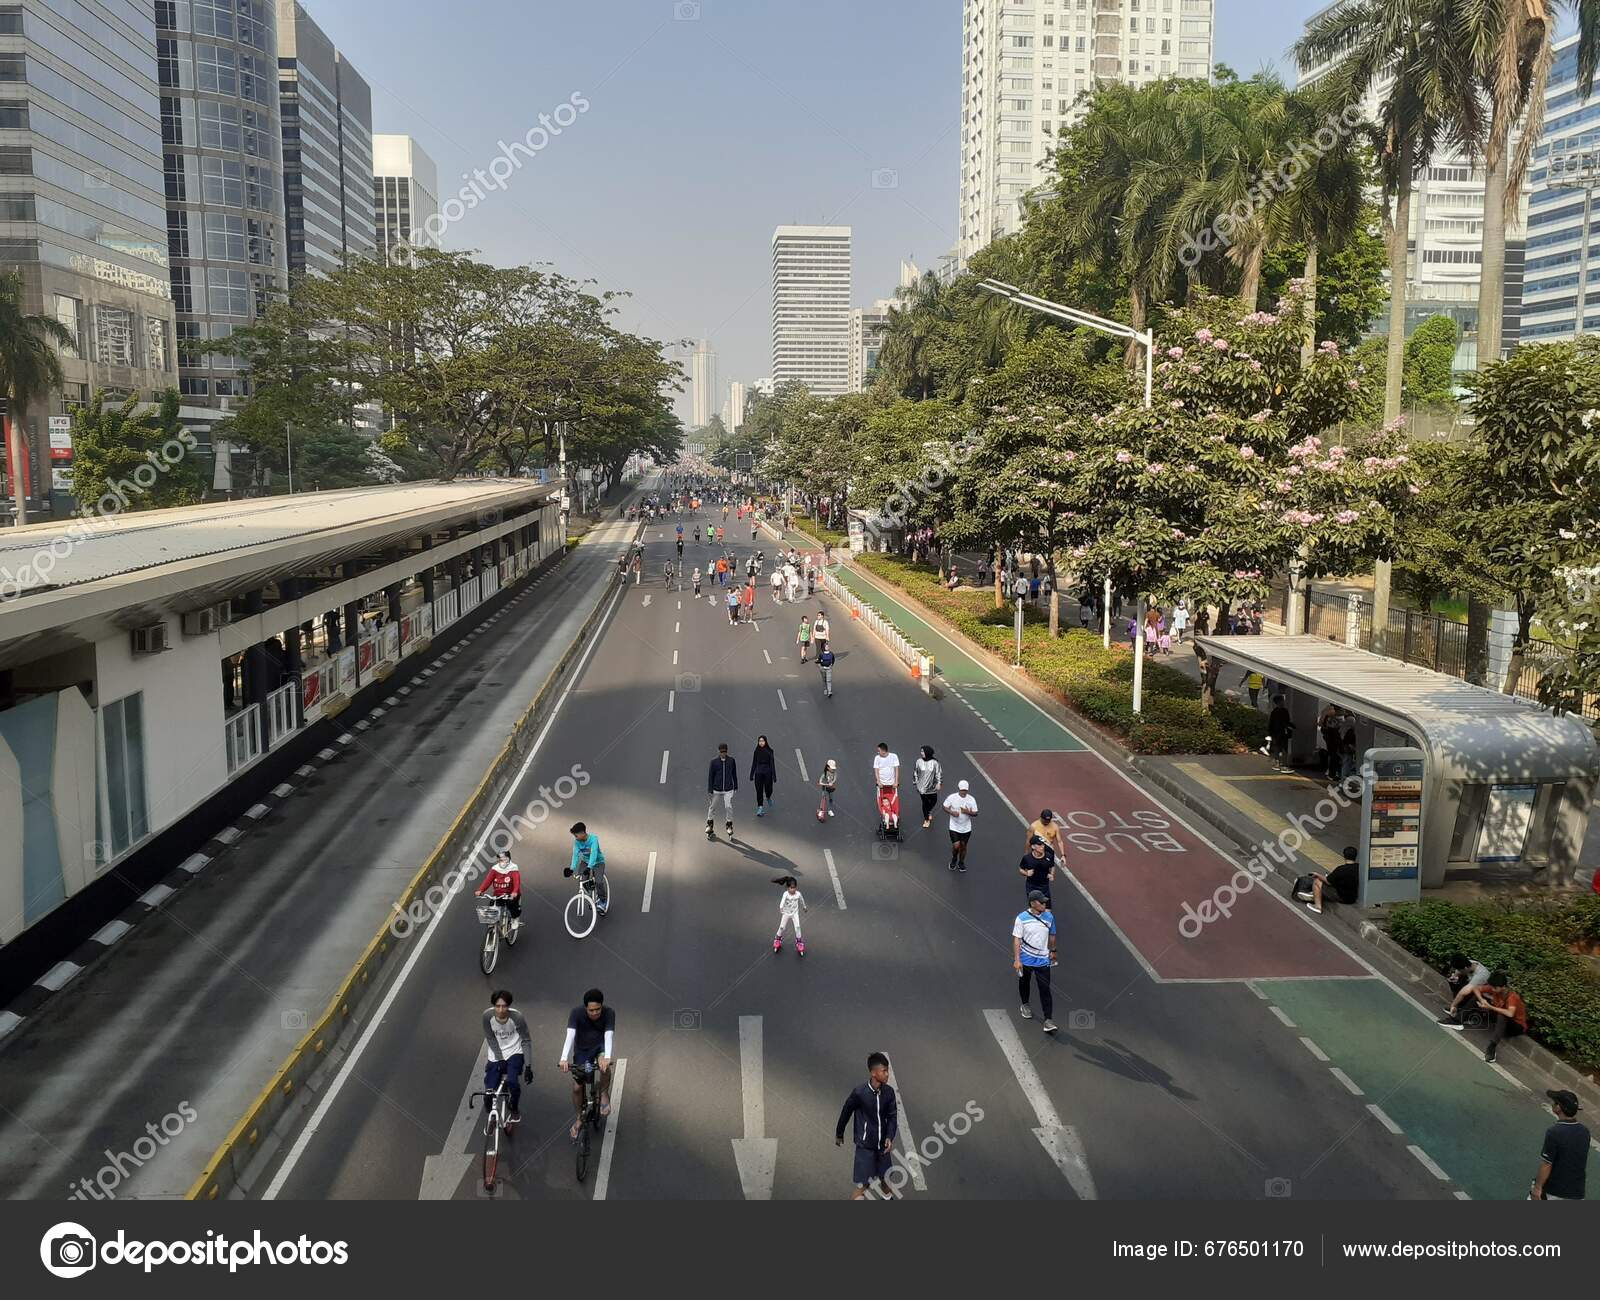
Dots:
(1506, 781)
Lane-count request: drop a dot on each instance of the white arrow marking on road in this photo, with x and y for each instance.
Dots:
(755, 1153)
(800, 758)
(838, 889)
(1059, 1140)
(665, 755)
(647, 601)
(602, 1178)
(649, 881)
(442, 1173)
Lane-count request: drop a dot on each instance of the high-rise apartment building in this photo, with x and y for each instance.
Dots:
(326, 110)
(703, 382)
(405, 187)
(811, 307)
(84, 220)
(736, 404)
(1024, 65)
(867, 328)
(223, 158)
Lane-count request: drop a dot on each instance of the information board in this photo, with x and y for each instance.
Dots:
(1391, 822)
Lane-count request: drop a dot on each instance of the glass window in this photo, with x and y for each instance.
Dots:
(17, 207)
(13, 114)
(157, 350)
(13, 67)
(16, 160)
(69, 311)
(10, 20)
(224, 237)
(123, 726)
(216, 69)
(113, 336)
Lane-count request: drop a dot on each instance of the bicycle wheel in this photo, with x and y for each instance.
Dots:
(511, 933)
(490, 952)
(491, 1148)
(583, 1147)
(580, 915)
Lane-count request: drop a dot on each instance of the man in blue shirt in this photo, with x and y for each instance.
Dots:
(586, 853)
(1033, 953)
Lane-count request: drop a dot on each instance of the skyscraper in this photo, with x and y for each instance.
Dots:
(703, 377)
(867, 328)
(80, 196)
(220, 129)
(811, 307)
(1024, 64)
(326, 108)
(405, 186)
(736, 402)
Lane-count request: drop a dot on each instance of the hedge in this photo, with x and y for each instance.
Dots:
(1531, 944)
(1094, 681)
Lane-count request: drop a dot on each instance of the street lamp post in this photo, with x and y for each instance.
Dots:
(1146, 340)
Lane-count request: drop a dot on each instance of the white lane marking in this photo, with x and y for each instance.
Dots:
(442, 1173)
(602, 1178)
(672, 696)
(1342, 1077)
(110, 932)
(58, 976)
(1382, 1116)
(674, 658)
(337, 1083)
(1428, 1164)
(783, 701)
(768, 655)
(833, 871)
(1461, 1196)
(680, 604)
(755, 1153)
(649, 881)
(665, 755)
(800, 758)
(1058, 1139)
(914, 1164)
(1282, 1015)
(677, 627)
(1314, 1050)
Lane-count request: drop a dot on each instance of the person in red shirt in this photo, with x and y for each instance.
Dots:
(747, 598)
(1508, 1011)
(505, 881)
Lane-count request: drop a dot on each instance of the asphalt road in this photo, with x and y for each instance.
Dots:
(1152, 1088)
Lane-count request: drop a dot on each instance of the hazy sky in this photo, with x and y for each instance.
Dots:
(703, 126)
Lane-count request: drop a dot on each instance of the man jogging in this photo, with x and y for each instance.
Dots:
(721, 782)
(1033, 953)
(871, 1114)
(962, 808)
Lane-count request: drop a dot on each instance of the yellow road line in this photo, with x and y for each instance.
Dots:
(1269, 821)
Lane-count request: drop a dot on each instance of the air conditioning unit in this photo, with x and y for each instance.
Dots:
(150, 640)
(203, 622)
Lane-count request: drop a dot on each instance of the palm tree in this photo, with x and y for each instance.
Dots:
(29, 369)
(911, 326)
(1420, 59)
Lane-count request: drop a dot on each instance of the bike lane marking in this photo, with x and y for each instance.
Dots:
(608, 1139)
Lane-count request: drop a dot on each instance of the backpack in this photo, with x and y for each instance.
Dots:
(1304, 888)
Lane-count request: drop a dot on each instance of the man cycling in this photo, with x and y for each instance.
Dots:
(590, 1045)
(506, 1032)
(586, 856)
(504, 882)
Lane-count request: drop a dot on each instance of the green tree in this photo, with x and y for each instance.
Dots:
(1351, 287)
(133, 456)
(1430, 363)
(30, 369)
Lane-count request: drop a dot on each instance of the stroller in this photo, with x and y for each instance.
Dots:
(888, 812)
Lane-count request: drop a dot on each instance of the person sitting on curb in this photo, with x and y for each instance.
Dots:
(1508, 1012)
(1465, 977)
(1344, 880)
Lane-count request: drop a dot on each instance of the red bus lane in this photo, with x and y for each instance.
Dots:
(1187, 912)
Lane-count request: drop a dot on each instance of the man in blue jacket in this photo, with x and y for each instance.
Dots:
(876, 1123)
(721, 782)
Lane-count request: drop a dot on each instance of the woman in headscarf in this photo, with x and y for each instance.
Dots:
(930, 780)
(763, 774)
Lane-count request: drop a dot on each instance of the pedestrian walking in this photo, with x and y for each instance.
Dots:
(791, 581)
(722, 570)
(825, 663)
(819, 631)
(873, 1117)
(733, 607)
(790, 904)
(803, 637)
(763, 774)
(1180, 621)
(747, 599)
(1038, 868)
(1033, 953)
(1564, 1157)
(721, 782)
(777, 586)
(1328, 728)
(1280, 726)
(929, 777)
(1253, 681)
(697, 582)
(962, 808)
(828, 783)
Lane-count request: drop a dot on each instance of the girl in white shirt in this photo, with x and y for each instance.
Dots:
(790, 904)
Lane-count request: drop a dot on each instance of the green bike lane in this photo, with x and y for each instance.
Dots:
(1475, 1124)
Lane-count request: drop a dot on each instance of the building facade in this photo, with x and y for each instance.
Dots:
(405, 192)
(867, 328)
(326, 111)
(737, 398)
(1024, 65)
(811, 307)
(82, 218)
(223, 158)
(703, 380)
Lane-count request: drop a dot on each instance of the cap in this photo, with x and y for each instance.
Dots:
(1035, 896)
(1034, 839)
(962, 785)
(1566, 1102)
(1046, 815)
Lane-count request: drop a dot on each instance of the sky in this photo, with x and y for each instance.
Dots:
(678, 133)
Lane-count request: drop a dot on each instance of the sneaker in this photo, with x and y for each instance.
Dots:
(1027, 1012)
(761, 812)
(514, 1117)
(729, 829)
(952, 864)
(1312, 907)
(800, 947)
(710, 828)
(777, 943)
(830, 812)
(1049, 1026)
(927, 822)
(1488, 1053)
(962, 868)
(1451, 1022)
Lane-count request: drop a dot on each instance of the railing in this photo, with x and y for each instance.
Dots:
(241, 738)
(283, 718)
(447, 609)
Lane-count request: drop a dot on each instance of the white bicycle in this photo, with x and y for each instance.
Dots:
(585, 907)
(497, 925)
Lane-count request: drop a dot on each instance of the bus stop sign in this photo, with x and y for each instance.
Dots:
(1391, 827)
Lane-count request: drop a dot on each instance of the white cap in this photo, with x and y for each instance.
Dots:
(962, 785)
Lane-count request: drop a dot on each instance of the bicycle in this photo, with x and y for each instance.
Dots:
(497, 924)
(583, 908)
(589, 1118)
(494, 1124)
(666, 576)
